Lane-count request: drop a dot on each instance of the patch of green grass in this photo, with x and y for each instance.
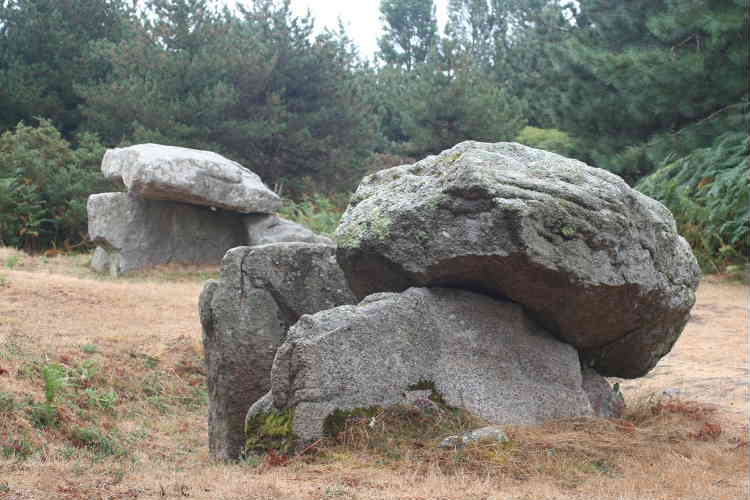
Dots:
(89, 348)
(150, 362)
(43, 416)
(104, 400)
(103, 444)
(197, 398)
(83, 375)
(251, 461)
(11, 348)
(3, 280)
(12, 261)
(30, 370)
(7, 403)
(19, 447)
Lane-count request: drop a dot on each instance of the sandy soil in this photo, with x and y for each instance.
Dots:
(45, 311)
(709, 363)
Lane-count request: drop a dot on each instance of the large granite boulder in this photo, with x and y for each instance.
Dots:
(157, 172)
(263, 229)
(245, 315)
(479, 353)
(600, 265)
(134, 233)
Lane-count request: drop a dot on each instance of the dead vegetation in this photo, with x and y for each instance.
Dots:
(102, 396)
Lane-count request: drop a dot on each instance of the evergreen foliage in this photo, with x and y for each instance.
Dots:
(708, 191)
(636, 72)
(254, 86)
(631, 86)
(44, 53)
(457, 101)
(44, 185)
(552, 140)
(409, 32)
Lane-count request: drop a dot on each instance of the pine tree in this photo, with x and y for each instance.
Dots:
(44, 53)
(641, 71)
(409, 31)
(253, 85)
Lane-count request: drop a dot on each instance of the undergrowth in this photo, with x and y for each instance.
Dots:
(708, 192)
(78, 402)
(317, 212)
(566, 451)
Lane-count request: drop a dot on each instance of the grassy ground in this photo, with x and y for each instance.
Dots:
(102, 396)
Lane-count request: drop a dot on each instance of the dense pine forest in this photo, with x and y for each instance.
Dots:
(655, 91)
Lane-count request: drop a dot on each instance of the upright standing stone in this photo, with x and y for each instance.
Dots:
(245, 315)
(135, 233)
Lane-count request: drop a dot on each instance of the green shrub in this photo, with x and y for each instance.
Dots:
(96, 440)
(44, 185)
(317, 212)
(100, 399)
(43, 416)
(548, 139)
(708, 193)
(46, 414)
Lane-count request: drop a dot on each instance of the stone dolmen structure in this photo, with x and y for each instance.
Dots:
(507, 279)
(181, 205)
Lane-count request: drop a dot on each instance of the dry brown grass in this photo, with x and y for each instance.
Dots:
(141, 335)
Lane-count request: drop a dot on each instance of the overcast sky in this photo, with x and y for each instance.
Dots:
(361, 17)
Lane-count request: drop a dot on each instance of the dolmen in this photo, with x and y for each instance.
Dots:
(505, 280)
(181, 205)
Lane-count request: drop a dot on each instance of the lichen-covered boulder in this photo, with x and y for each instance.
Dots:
(479, 353)
(263, 229)
(133, 233)
(157, 172)
(600, 265)
(262, 291)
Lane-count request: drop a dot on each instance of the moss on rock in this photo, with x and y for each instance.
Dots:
(336, 421)
(271, 430)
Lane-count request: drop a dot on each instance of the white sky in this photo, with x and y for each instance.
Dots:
(361, 18)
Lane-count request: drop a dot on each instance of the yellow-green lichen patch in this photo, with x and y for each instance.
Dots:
(374, 226)
(271, 430)
(350, 236)
(568, 232)
(450, 159)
